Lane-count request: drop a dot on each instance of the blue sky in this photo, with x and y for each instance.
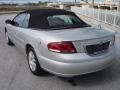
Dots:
(24, 1)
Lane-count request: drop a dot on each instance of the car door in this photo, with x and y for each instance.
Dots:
(16, 29)
(21, 34)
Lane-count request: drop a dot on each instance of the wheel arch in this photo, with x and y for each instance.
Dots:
(27, 47)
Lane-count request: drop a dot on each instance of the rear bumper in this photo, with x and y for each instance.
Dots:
(86, 64)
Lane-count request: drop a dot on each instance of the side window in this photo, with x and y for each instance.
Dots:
(19, 19)
(26, 21)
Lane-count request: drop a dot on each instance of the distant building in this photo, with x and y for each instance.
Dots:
(110, 2)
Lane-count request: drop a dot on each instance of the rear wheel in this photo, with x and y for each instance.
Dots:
(33, 63)
(9, 42)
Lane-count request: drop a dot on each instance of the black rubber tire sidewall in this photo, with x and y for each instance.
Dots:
(39, 71)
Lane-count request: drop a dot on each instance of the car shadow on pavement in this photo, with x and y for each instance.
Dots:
(97, 78)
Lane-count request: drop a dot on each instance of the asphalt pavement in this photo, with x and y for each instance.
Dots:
(15, 74)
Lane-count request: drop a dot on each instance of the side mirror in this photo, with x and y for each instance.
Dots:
(14, 23)
(8, 21)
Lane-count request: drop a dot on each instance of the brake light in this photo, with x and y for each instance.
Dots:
(62, 47)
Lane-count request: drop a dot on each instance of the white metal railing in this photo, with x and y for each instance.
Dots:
(106, 16)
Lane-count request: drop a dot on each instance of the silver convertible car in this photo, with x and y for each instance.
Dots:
(59, 42)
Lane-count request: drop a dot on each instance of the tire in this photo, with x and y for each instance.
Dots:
(33, 63)
(9, 42)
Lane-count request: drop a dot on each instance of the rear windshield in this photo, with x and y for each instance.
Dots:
(58, 21)
(62, 20)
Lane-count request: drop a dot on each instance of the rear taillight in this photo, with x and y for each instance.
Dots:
(62, 47)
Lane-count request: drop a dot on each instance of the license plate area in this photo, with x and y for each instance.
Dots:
(97, 48)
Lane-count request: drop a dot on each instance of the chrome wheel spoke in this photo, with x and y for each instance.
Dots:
(7, 37)
(32, 61)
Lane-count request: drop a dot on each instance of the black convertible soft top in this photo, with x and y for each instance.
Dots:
(38, 17)
(46, 11)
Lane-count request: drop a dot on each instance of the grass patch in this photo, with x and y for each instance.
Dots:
(20, 8)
